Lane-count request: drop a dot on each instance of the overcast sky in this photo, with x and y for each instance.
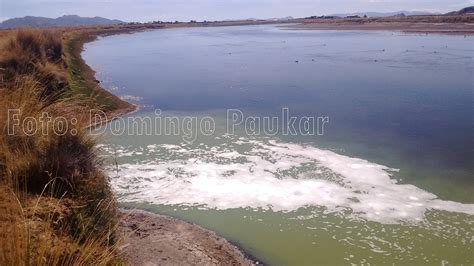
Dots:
(146, 10)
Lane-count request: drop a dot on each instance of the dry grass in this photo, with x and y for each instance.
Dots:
(56, 207)
(37, 231)
(35, 52)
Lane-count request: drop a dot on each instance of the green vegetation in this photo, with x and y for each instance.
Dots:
(56, 206)
(82, 81)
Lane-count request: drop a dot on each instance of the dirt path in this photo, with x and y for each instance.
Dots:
(151, 239)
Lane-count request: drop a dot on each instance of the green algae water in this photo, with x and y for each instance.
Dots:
(390, 181)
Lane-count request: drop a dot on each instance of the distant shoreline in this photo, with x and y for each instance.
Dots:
(407, 27)
(82, 35)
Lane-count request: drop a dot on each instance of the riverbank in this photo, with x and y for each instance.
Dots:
(57, 204)
(152, 239)
(82, 76)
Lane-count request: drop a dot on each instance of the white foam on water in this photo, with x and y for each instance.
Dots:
(273, 175)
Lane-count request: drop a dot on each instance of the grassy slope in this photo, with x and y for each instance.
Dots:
(82, 80)
(56, 206)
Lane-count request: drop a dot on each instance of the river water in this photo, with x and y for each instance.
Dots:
(390, 180)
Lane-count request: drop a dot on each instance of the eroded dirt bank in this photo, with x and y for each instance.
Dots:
(152, 239)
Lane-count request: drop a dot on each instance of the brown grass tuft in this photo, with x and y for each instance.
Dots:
(56, 207)
(34, 52)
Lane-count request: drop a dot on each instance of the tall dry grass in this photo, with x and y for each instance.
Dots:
(56, 207)
(36, 53)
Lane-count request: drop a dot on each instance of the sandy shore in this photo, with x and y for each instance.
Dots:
(152, 239)
(434, 28)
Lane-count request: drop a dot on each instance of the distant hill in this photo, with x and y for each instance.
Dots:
(387, 14)
(64, 21)
(464, 11)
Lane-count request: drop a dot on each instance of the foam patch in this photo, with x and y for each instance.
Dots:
(270, 175)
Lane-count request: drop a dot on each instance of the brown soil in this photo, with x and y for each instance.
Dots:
(152, 239)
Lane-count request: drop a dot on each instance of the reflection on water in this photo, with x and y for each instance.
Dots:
(384, 183)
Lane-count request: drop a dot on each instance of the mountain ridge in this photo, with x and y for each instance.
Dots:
(63, 21)
(464, 11)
